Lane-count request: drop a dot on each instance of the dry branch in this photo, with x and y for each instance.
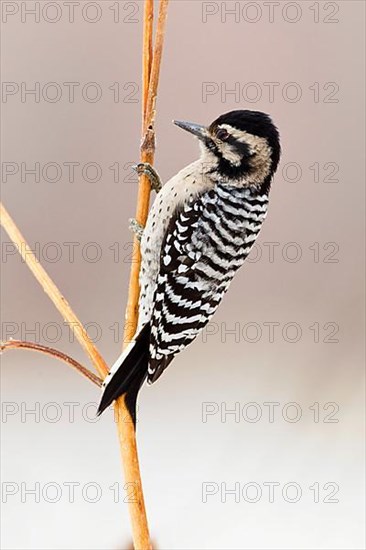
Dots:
(150, 81)
(52, 291)
(150, 89)
(126, 430)
(32, 346)
(156, 63)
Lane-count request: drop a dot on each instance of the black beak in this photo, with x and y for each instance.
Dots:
(196, 129)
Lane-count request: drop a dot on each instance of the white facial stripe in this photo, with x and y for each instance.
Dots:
(229, 153)
(261, 160)
(256, 143)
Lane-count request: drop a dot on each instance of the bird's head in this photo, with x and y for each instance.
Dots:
(240, 147)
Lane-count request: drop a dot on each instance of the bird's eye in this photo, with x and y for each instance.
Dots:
(222, 134)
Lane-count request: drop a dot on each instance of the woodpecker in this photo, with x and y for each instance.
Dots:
(199, 231)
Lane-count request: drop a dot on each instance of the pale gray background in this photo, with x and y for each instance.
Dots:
(178, 451)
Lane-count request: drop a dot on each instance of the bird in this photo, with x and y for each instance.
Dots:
(200, 229)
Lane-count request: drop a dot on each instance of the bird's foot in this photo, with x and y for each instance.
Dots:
(136, 228)
(154, 178)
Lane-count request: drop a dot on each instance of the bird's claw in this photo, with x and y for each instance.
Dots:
(136, 228)
(146, 169)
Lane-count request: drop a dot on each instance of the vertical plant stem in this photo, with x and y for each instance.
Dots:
(143, 196)
(156, 63)
(147, 150)
(150, 79)
(126, 431)
(147, 53)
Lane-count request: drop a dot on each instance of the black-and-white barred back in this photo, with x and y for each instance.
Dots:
(207, 241)
(200, 230)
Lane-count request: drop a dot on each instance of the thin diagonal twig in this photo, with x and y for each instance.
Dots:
(32, 346)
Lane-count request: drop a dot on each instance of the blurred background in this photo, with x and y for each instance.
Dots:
(253, 439)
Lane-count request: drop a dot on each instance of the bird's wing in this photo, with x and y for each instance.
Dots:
(185, 298)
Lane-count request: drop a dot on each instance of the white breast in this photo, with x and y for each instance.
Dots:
(185, 185)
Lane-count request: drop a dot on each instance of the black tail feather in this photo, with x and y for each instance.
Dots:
(129, 376)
